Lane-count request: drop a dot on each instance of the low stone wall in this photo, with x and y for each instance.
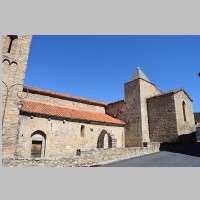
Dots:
(87, 158)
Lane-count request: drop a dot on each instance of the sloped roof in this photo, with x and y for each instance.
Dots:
(119, 101)
(139, 74)
(45, 109)
(62, 96)
(172, 92)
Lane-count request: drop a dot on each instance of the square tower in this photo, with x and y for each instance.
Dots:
(15, 52)
(137, 90)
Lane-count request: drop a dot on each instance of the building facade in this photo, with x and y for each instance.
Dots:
(52, 124)
(197, 123)
(198, 131)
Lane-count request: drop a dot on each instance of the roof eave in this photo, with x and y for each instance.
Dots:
(36, 114)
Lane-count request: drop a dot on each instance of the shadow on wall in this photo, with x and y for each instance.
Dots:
(187, 144)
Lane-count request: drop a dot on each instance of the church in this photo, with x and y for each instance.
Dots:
(50, 124)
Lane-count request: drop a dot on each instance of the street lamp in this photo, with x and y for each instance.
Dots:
(19, 104)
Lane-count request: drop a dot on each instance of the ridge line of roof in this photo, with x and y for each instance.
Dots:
(172, 92)
(62, 95)
(116, 102)
(139, 74)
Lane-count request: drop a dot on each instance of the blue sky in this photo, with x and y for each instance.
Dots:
(96, 67)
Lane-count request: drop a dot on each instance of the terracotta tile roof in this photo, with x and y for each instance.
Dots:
(62, 96)
(172, 92)
(67, 113)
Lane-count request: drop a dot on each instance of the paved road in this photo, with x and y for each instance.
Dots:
(160, 159)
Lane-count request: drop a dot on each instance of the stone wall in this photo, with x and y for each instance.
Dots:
(64, 138)
(188, 126)
(64, 102)
(13, 72)
(162, 118)
(137, 127)
(117, 110)
(146, 90)
(133, 127)
(87, 158)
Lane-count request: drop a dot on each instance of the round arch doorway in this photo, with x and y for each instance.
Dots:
(38, 144)
(106, 140)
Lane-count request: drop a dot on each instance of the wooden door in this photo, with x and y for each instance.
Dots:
(36, 149)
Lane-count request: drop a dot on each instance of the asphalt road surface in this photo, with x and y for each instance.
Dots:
(177, 158)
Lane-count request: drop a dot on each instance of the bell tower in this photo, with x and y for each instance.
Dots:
(137, 90)
(15, 52)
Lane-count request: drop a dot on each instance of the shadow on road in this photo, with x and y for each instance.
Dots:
(188, 149)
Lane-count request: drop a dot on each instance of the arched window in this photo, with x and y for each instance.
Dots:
(82, 131)
(184, 113)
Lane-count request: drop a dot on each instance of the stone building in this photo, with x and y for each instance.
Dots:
(15, 51)
(197, 123)
(198, 131)
(52, 124)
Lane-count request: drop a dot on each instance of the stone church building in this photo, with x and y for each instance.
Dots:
(51, 124)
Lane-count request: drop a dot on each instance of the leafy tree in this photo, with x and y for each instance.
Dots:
(197, 116)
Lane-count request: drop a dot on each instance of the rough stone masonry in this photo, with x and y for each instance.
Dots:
(93, 157)
(54, 125)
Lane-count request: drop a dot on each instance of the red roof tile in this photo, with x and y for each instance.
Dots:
(67, 113)
(62, 96)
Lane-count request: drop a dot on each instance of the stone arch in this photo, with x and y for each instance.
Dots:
(10, 63)
(6, 60)
(38, 144)
(111, 140)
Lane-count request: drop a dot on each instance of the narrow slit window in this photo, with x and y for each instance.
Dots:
(12, 37)
(184, 113)
(82, 131)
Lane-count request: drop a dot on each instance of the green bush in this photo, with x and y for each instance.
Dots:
(197, 116)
